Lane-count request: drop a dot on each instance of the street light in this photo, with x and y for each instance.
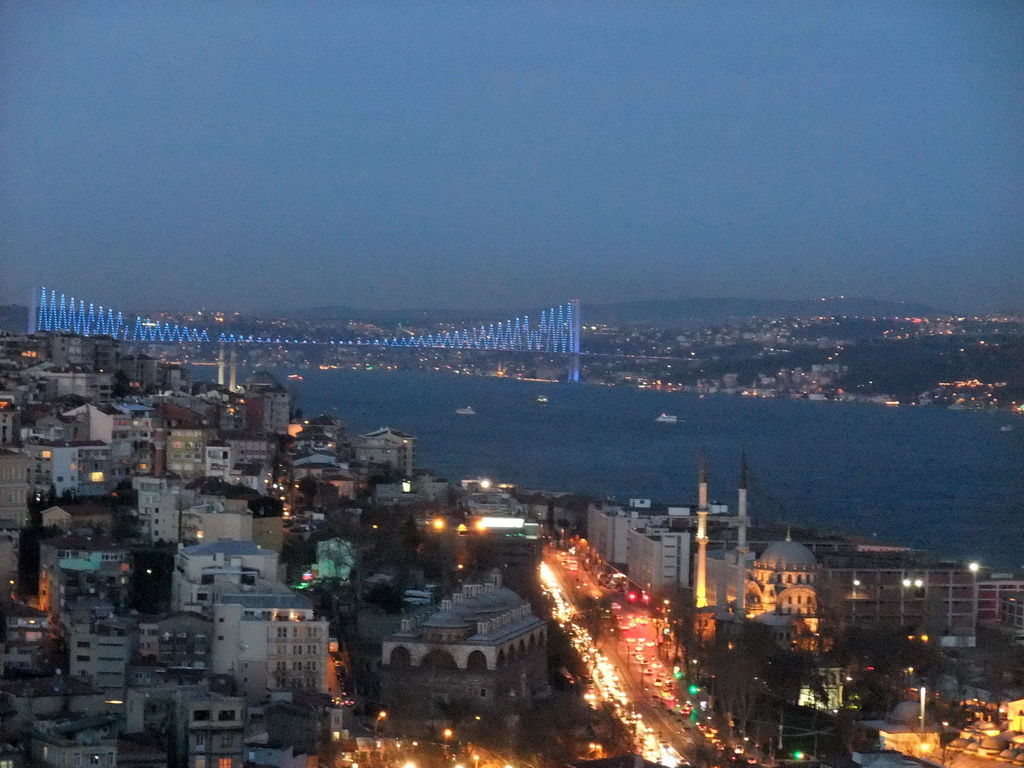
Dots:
(973, 568)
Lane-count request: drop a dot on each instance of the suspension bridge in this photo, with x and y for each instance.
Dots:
(555, 330)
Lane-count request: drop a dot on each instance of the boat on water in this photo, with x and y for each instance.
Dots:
(666, 418)
(542, 399)
(294, 377)
(1006, 428)
(467, 411)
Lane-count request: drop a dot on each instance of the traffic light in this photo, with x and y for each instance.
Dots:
(647, 598)
(694, 689)
(631, 597)
(798, 755)
(677, 673)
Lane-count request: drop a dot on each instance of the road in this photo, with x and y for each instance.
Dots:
(633, 655)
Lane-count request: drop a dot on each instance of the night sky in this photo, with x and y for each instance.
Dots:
(264, 155)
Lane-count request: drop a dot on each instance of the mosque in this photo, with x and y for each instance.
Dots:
(776, 587)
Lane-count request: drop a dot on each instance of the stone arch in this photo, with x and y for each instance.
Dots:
(533, 642)
(476, 662)
(501, 658)
(400, 657)
(522, 646)
(438, 659)
(512, 652)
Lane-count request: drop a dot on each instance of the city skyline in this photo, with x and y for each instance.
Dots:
(470, 156)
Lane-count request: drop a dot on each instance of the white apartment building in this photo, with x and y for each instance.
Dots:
(218, 460)
(659, 558)
(80, 468)
(213, 520)
(204, 572)
(270, 641)
(160, 502)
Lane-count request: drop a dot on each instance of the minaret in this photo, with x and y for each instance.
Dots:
(220, 366)
(233, 373)
(700, 588)
(741, 540)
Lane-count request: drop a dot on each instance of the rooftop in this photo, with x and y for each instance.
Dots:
(225, 547)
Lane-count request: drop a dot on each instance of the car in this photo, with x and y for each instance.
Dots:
(657, 681)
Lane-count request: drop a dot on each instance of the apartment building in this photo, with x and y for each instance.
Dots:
(269, 641)
(203, 572)
(14, 489)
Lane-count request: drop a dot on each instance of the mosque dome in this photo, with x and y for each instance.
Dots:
(787, 554)
(446, 620)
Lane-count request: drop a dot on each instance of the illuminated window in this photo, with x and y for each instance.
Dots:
(46, 454)
(224, 762)
(95, 477)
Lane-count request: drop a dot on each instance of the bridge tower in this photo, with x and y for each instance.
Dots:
(574, 342)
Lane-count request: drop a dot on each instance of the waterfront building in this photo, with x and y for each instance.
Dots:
(932, 600)
(387, 447)
(658, 558)
(1011, 615)
(990, 595)
(608, 525)
(483, 651)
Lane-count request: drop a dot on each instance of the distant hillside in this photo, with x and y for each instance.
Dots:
(658, 312)
(705, 310)
(13, 318)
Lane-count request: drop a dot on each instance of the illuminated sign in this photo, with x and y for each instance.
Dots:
(500, 522)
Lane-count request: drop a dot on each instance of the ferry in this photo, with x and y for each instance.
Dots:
(1006, 428)
(542, 399)
(666, 418)
(294, 377)
(467, 411)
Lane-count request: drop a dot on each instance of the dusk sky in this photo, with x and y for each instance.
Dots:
(261, 155)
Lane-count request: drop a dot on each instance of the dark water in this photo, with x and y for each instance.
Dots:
(949, 481)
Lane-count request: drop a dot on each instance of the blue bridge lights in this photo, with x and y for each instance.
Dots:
(556, 331)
